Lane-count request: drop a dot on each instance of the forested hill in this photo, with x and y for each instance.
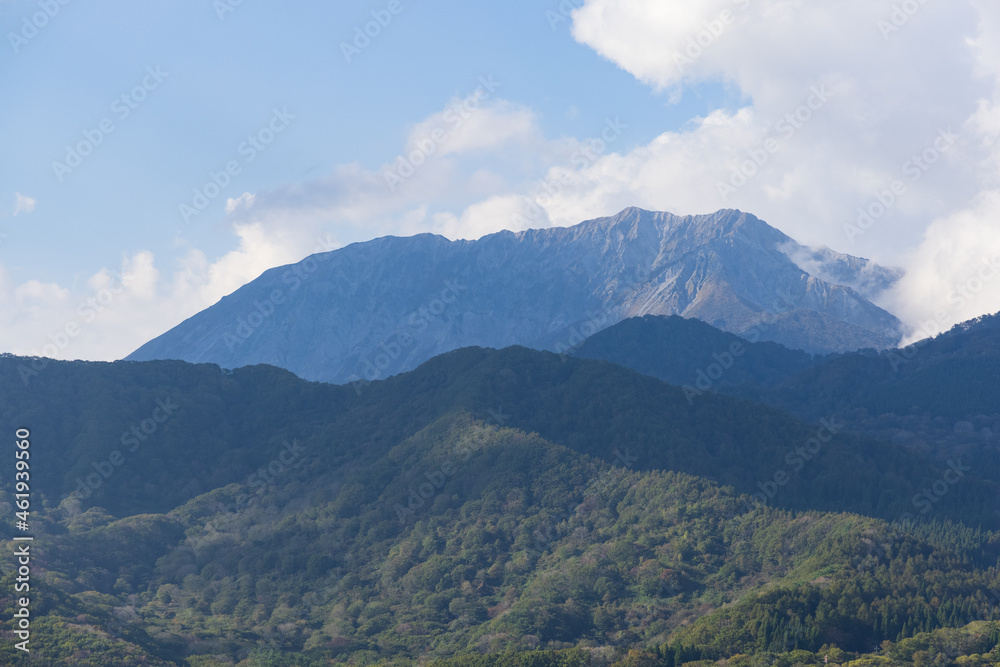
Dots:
(938, 398)
(950, 376)
(487, 502)
(180, 430)
(692, 353)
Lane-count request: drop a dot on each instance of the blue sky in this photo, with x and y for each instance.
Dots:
(564, 72)
(222, 79)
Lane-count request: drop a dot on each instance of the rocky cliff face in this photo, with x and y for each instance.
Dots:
(374, 309)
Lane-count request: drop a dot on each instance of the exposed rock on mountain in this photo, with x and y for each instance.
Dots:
(374, 309)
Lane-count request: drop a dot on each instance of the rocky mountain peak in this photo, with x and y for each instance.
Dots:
(381, 307)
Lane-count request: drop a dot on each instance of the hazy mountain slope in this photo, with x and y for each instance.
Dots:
(939, 397)
(689, 352)
(951, 376)
(382, 307)
(226, 426)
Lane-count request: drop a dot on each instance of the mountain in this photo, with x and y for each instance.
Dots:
(212, 428)
(693, 354)
(375, 309)
(488, 501)
(939, 396)
(949, 377)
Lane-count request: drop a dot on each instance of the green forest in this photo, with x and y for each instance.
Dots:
(506, 507)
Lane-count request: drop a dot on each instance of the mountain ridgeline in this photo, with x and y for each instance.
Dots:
(939, 396)
(374, 309)
(688, 352)
(592, 407)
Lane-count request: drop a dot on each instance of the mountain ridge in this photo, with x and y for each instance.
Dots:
(381, 307)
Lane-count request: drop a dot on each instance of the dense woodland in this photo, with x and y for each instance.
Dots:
(504, 508)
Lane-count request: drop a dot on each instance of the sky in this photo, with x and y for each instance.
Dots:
(156, 156)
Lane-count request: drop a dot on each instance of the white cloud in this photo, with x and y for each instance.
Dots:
(954, 275)
(117, 309)
(895, 81)
(886, 101)
(244, 201)
(486, 217)
(468, 125)
(34, 293)
(23, 204)
(474, 149)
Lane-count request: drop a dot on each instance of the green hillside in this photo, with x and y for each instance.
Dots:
(501, 503)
